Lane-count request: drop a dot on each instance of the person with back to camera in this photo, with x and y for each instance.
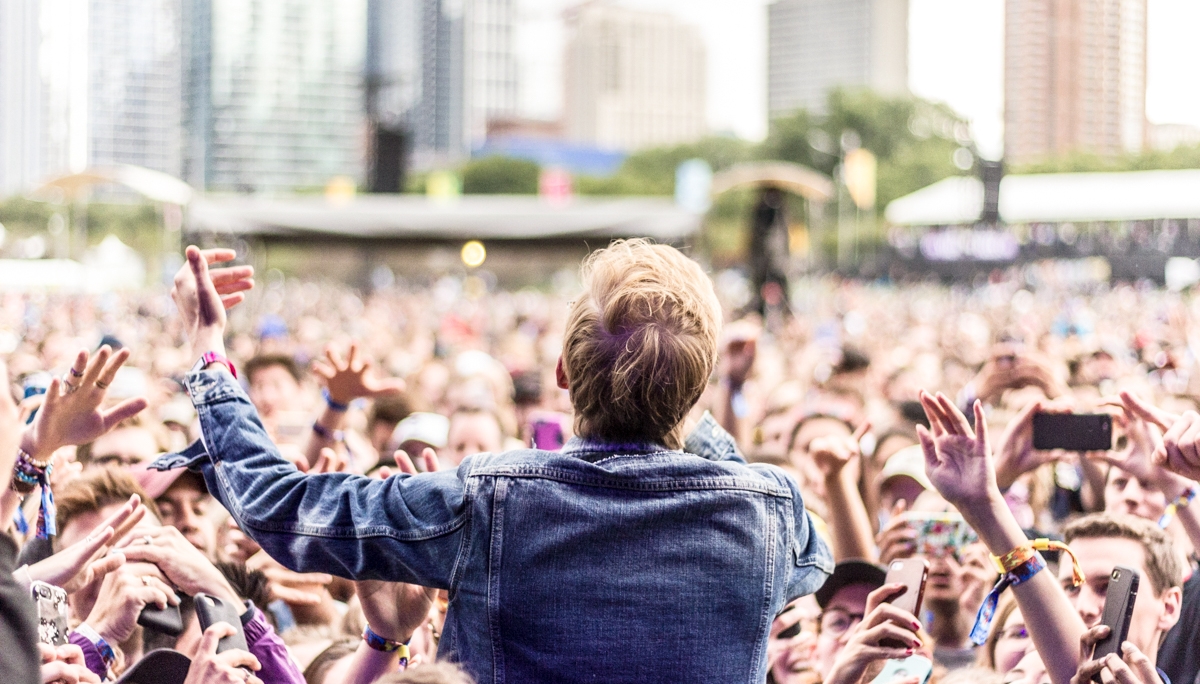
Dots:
(633, 555)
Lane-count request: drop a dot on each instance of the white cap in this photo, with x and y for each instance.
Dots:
(431, 428)
(910, 462)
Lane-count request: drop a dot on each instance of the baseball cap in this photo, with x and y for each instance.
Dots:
(909, 462)
(430, 428)
(847, 573)
(160, 666)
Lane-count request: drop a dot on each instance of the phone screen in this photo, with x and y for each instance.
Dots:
(1072, 431)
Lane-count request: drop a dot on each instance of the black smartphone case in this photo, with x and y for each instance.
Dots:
(1118, 608)
(166, 621)
(1073, 432)
(211, 610)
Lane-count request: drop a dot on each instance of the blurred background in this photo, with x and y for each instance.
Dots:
(372, 140)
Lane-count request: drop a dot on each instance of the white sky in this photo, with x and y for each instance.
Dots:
(955, 56)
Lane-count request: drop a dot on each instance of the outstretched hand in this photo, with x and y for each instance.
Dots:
(832, 454)
(202, 295)
(1180, 448)
(88, 560)
(958, 460)
(350, 377)
(71, 412)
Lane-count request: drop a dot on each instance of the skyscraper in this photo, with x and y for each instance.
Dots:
(1074, 78)
(273, 93)
(633, 79)
(87, 83)
(814, 46)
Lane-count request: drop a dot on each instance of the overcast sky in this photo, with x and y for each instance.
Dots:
(955, 56)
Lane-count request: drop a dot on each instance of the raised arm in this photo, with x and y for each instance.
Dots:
(403, 529)
(959, 462)
(849, 524)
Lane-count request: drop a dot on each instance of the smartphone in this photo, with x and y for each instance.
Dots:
(912, 666)
(211, 610)
(35, 384)
(912, 573)
(940, 534)
(52, 613)
(1118, 608)
(1072, 431)
(547, 434)
(164, 621)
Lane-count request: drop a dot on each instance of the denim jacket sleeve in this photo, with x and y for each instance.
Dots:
(406, 528)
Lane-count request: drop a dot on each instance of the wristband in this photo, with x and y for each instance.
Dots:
(211, 357)
(1020, 574)
(1185, 499)
(341, 408)
(386, 645)
(106, 652)
(325, 433)
(1010, 561)
(29, 474)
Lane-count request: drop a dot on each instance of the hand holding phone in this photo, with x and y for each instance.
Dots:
(211, 610)
(1118, 609)
(912, 573)
(940, 534)
(52, 613)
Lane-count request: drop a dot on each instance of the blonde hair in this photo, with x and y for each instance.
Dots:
(640, 343)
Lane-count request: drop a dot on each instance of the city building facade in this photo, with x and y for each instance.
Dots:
(814, 46)
(1074, 78)
(633, 79)
(273, 93)
(88, 83)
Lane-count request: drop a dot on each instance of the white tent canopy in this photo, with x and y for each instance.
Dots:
(1056, 198)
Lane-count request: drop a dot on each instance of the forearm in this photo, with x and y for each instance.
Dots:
(723, 408)
(368, 665)
(316, 523)
(1189, 515)
(1053, 624)
(323, 435)
(848, 519)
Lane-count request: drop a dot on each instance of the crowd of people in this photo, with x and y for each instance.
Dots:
(330, 509)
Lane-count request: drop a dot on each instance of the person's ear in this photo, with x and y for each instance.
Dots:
(1172, 600)
(560, 375)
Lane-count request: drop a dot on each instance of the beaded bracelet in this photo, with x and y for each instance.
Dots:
(29, 473)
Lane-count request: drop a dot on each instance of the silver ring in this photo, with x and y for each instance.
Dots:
(70, 387)
(147, 540)
(146, 580)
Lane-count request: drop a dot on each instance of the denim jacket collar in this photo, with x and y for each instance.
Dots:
(593, 451)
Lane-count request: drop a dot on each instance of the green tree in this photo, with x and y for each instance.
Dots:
(913, 140)
(500, 176)
(652, 171)
(1182, 157)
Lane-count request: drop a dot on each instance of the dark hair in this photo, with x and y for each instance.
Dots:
(390, 409)
(262, 361)
(251, 585)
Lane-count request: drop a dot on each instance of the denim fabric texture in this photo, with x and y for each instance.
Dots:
(602, 562)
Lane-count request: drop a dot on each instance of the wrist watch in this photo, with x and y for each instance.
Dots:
(212, 357)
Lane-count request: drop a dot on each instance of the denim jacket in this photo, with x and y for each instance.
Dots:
(602, 562)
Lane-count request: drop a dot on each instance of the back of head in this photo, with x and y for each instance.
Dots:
(95, 490)
(1164, 566)
(640, 343)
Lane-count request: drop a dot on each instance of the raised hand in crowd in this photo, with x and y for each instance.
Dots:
(202, 295)
(1180, 448)
(88, 560)
(1007, 370)
(65, 665)
(233, 666)
(306, 593)
(1131, 667)
(838, 458)
(959, 463)
(352, 377)
(790, 645)
(738, 350)
(865, 643)
(72, 412)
